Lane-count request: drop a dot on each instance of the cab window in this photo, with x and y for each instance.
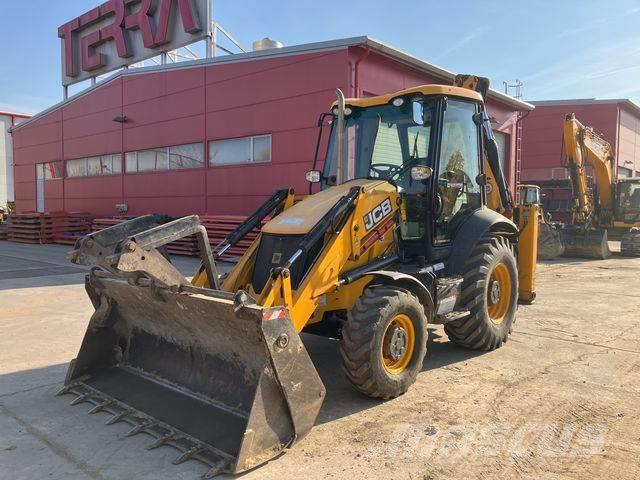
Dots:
(459, 166)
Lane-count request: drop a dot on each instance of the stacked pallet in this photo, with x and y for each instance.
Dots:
(67, 229)
(100, 223)
(4, 230)
(54, 227)
(217, 226)
(185, 246)
(30, 228)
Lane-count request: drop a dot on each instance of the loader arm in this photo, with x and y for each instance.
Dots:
(500, 198)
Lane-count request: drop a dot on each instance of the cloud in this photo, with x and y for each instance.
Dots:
(597, 71)
(570, 32)
(468, 38)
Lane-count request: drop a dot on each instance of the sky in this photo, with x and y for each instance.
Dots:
(558, 49)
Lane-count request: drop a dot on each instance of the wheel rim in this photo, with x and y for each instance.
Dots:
(499, 293)
(398, 344)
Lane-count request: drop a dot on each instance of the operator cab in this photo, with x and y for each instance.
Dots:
(628, 196)
(529, 195)
(421, 143)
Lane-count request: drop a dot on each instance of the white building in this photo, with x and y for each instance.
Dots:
(7, 120)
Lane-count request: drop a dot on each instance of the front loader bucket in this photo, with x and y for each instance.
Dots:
(586, 243)
(228, 384)
(550, 244)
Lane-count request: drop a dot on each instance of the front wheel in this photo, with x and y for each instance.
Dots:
(384, 341)
(490, 293)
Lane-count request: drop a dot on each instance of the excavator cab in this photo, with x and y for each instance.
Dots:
(628, 200)
(627, 215)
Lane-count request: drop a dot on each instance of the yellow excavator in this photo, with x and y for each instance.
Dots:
(611, 205)
(413, 225)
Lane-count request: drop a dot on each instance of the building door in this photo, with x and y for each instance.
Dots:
(40, 169)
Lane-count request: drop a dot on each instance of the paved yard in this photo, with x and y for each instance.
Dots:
(560, 400)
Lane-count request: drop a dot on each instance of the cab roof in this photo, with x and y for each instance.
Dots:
(448, 90)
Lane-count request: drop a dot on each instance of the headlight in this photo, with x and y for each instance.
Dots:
(313, 176)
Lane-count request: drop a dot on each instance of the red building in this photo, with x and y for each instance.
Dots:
(618, 121)
(216, 135)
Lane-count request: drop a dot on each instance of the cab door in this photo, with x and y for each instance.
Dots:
(456, 183)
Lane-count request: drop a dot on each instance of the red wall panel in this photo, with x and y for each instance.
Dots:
(54, 195)
(281, 96)
(542, 140)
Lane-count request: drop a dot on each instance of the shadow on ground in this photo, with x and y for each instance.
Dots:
(342, 399)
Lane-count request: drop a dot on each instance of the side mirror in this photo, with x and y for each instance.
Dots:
(313, 176)
(418, 112)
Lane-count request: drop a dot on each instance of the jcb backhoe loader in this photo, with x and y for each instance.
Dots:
(613, 204)
(399, 236)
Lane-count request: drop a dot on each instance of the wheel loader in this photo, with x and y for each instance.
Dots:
(398, 237)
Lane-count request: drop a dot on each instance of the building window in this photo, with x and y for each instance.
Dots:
(94, 166)
(237, 151)
(49, 170)
(624, 172)
(166, 158)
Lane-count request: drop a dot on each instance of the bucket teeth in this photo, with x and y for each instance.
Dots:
(188, 454)
(118, 417)
(216, 469)
(64, 390)
(162, 441)
(138, 428)
(80, 398)
(100, 406)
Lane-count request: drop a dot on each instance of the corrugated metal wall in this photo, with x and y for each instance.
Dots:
(282, 96)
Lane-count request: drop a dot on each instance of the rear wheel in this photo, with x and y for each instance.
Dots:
(490, 293)
(384, 341)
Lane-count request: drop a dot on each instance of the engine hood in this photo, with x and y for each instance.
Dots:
(300, 218)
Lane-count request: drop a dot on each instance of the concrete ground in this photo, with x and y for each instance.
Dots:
(560, 400)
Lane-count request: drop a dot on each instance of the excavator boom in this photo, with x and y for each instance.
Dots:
(583, 147)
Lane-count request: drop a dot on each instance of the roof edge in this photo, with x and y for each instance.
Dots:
(442, 72)
(588, 101)
(338, 44)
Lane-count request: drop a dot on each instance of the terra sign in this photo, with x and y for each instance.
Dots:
(121, 32)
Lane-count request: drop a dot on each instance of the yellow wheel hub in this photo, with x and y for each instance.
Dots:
(499, 293)
(398, 343)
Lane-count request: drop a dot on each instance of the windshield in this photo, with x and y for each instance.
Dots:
(382, 142)
(630, 195)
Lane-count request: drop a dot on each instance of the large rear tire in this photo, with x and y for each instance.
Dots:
(490, 293)
(384, 341)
